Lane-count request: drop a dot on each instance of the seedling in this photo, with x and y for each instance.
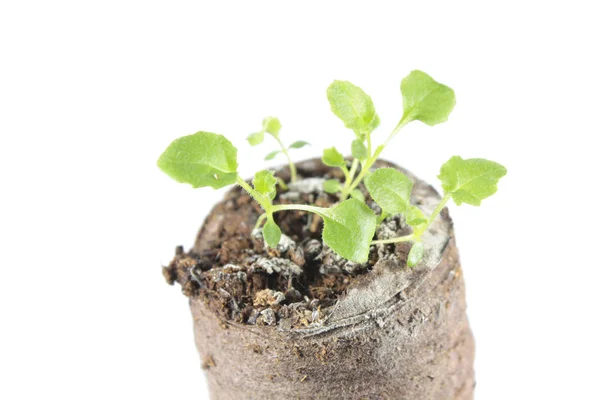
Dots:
(209, 159)
(272, 126)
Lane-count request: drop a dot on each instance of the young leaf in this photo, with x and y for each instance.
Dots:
(264, 182)
(359, 150)
(271, 233)
(272, 155)
(358, 195)
(353, 106)
(349, 228)
(332, 186)
(426, 100)
(271, 125)
(415, 218)
(256, 138)
(299, 144)
(415, 254)
(333, 158)
(201, 159)
(390, 189)
(470, 181)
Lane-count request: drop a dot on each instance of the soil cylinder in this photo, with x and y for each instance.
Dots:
(395, 332)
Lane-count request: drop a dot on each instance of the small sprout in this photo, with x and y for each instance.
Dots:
(272, 126)
(332, 186)
(415, 254)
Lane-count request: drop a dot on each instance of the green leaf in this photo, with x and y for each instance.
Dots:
(426, 100)
(358, 195)
(256, 138)
(271, 233)
(299, 144)
(201, 159)
(415, 218)
(359, 150)
(390, 189)
(272, 155)
(264, 182)
(349, 228)
(353, 106)
(470, 181)
(332, 186)
(415, 254)
(271, 125)
(333, 158)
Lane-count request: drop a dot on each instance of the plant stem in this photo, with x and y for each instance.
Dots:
(345, 190)
(266, 205)
(285, 152)
(413, 236)
(299, 207)
(407, 238)
(260, 220)
(439, 208)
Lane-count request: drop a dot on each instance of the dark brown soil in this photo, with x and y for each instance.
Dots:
(243, 280)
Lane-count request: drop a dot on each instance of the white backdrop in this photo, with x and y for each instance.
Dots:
(92, 92)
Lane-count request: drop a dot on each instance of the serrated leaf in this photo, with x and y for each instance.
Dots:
(272, 155)
(271, 233)
(271, 125)
(299, 144)
(359, 150)
(333, 158)
(256, 138)
(332, 186)
(358, 195)
(425, 99)
(472, 180)
(415, 255)
(353, 106)
(265, 183)
(390, 189)
(202, 159)
(349, 228)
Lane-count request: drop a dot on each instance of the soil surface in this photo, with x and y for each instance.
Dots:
(243, 280)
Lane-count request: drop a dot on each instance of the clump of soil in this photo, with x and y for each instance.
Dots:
(243, 280)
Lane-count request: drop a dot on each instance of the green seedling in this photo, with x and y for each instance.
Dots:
(424, 100)
(208, 159)
(272, 126)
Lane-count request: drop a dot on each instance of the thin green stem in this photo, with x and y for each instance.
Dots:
(285, 152)
(260, 220)
(298, 207)
(346, 173)
(265, 204)
(407, 238)
(439, 208)
(346, 189)
(417, 236)
(282, 184)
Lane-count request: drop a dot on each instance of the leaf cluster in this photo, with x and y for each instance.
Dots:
(209, 159)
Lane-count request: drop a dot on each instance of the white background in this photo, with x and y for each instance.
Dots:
(92, 92)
